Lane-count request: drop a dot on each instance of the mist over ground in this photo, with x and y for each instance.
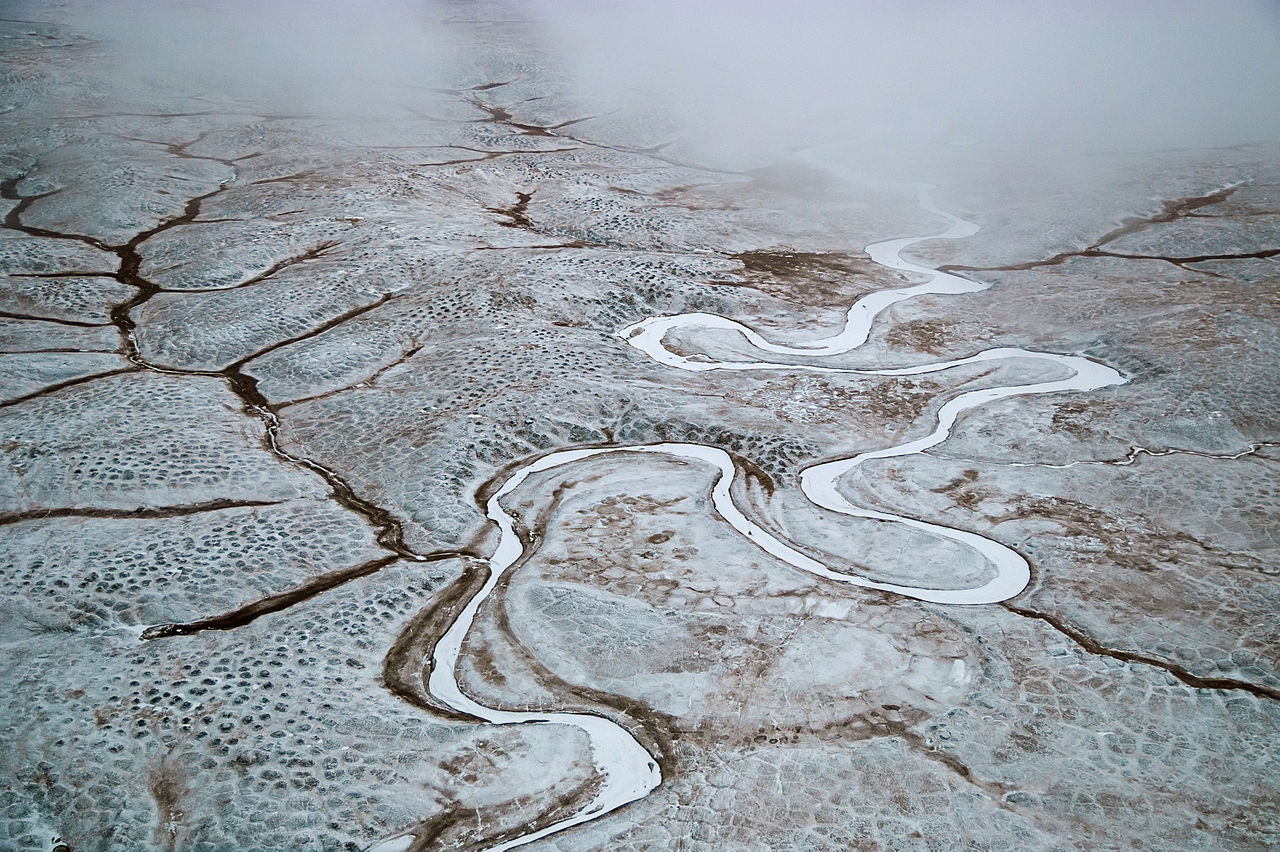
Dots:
(739, 84)
(1076, 76)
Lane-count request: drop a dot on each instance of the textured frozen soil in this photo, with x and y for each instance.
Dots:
(262, 370)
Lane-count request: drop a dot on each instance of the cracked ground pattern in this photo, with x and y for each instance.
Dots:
(262, 368)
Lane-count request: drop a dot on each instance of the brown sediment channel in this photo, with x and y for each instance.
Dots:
(139, 513)
(389, 530)
(1093, 646)
(1170, 211)
(250, 612)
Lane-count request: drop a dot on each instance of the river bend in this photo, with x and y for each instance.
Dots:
(628, 770)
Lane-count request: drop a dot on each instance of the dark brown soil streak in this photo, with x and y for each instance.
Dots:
(58, 320)
(13, 219)
(1170, 211)
(304, 591)
(1093, 646)
(131, 260)
(69, 383)
(500, 115)
(71, 273)
(517, 213)
(916, 742)
(368, 380)
(317, 251)
(143, 512)
(389, 529)
(430, 834)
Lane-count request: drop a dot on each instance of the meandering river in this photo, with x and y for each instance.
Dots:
(628, 770)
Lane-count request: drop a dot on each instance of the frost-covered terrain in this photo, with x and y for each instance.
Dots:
(466, 468)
